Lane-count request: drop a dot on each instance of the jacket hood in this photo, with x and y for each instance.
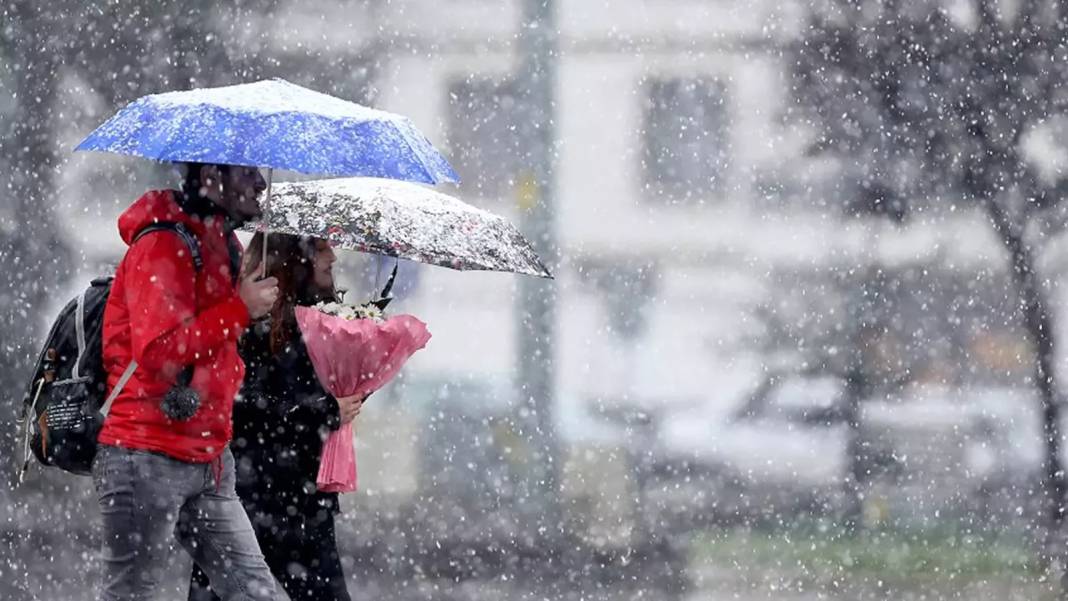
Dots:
(152, 207)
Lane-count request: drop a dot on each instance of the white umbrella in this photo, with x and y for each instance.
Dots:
(402, 219)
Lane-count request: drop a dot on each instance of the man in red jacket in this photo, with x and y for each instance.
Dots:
(177, 324)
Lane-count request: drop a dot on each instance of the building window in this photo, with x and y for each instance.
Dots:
(484, 140)
(685, 139)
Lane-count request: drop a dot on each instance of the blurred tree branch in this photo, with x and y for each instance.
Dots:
(929, 110)
(33, 254)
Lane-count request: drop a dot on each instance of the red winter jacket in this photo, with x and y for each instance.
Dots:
(166, 315)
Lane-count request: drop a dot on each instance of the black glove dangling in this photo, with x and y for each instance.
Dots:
(181, 401)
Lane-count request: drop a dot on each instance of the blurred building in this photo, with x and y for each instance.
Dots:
(667, 117)
(683, 200)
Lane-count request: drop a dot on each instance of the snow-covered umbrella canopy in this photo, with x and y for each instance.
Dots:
(273, 124)
(402, 219)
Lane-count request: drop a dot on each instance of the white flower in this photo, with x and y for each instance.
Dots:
(369, 311)
(350, 312)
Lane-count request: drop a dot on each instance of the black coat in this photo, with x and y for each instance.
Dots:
(281, 418)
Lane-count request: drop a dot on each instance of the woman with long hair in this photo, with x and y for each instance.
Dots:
(281, 418)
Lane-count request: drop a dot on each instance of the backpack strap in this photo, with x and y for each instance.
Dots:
(183, 232)
(79, 326)
(79, 329)
(126, 375)
(234, 250)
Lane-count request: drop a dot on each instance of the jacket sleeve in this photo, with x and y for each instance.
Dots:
(283, 386)
(322, 409)
(305, 398)
(167, 332)
(312, 400)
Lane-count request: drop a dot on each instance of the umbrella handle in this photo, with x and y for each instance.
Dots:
(266, 221)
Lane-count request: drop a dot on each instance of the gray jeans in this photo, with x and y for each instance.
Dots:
(146, 498)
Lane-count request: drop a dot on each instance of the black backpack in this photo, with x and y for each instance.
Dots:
(64, 405)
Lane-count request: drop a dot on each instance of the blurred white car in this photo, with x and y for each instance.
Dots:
(778, 450)
(785, 449)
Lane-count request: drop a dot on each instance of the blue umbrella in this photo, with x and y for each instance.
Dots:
(273, 124)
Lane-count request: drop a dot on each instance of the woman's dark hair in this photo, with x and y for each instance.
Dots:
(290, 259)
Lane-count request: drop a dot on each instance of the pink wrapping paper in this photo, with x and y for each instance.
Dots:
(354, 357)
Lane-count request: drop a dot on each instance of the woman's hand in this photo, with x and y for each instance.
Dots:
(349, 407)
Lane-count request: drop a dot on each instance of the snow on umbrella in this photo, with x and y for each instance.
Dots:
(273, 124)
(405, 220)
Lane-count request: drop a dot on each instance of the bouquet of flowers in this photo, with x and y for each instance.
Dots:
(355, 350)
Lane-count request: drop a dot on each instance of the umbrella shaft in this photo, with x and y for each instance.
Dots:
(266, 221)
